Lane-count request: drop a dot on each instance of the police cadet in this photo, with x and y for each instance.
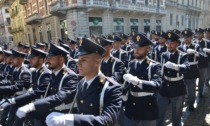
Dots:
(190, 77)
(152, 35)
(174, 64)
(19, 84)
(73, 48)
(179, 34)
(6, 76)
(98, 97)
(110, 66)
(63, 80)
(203, 60)
(40, 79)
(70, 62)
(207, 50)
(40, 46)
(124, 44)
(26, 49)
(158, 50)
(7, 68)
(142, 81)
(117, 51)
(131, 52)
(20, 47)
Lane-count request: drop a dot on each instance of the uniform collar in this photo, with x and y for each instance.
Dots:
(56, 73)
(91, 80)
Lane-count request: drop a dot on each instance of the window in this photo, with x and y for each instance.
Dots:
(8, 20)
(182, 20)
(177, 20)
(6, 11)
(171, 19)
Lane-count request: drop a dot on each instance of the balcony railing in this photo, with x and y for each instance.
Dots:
(22, 2)
(58, 7)
(34, 18)
(13, 13)
(97, 3)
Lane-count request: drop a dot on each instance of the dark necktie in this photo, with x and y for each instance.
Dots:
(85, 86)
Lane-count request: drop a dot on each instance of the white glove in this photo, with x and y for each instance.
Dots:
(125, 97)
(4, 105)
(59, 119)
(22, 111)
(133, 80)
(2, 101)
(206, 50)
(191, 51)
(171, 65)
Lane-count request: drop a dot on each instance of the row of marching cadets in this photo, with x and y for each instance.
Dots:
(110, 80)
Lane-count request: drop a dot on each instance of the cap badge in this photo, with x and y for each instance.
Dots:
(169, 35)
(138, 38)
(80, 42)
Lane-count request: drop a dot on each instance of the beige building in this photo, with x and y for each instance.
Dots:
(51, 19)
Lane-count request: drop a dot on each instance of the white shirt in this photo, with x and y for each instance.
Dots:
(91, 80)
(56, 73)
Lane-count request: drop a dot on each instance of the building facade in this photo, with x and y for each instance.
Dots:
(52, 19)
(5, 28)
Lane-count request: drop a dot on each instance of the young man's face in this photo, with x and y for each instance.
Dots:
(141, 52)
(187, 40)
(7, 59)
(162, 41)
(116, 45)
(17, 61)
(54, 61)
(199, 36)
(172, 46)
(35, 61)
(88, 63)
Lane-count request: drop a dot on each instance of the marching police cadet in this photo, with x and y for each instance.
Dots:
(98, 97)
(70, 62)
(63, 80)
(158, 50)
(152, 35)
(117, 51)
(190, 77)
(73, 48)
(40, 79)
(110, 66)
(26, 49)
(19, 84)
(6, 76)
(40, 46)
(173, 90)
(124, 44)
(20, 47)
(207, 39)
(142, 81)
(203, 60)
(7, 68)
(131, 52)
(156, 40)
(179, 34)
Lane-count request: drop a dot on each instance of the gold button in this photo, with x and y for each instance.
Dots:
(134, 86)
(91, 105)
(81, 113)
(134, 103)
(81, 101)
(168, 71)
(51, 88)
(168, 85)
(150, 104)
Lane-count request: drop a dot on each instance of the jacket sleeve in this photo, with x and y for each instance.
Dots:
(36, 93)
(108, 117)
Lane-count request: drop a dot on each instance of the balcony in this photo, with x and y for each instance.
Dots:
(20, 28)
(171, 3)
(58, 7)
(13, 13)
(97, 3)
(22, 2)
(34, 18)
